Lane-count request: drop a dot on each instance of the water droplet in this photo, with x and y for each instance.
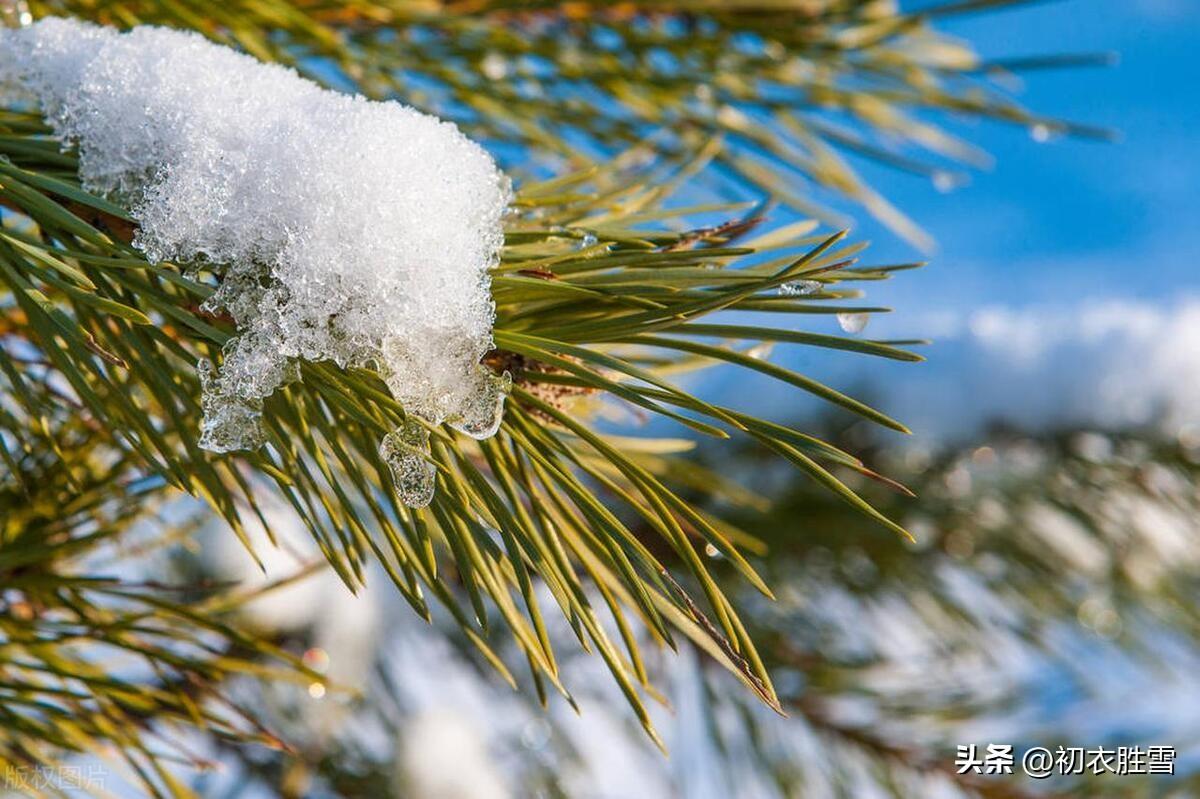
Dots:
(494, 66)
(405, 450)
(536, 734)
(800, 288)
(711, 551)
(761, 351)
(1040, 133)
(853, 322)
(316, 690)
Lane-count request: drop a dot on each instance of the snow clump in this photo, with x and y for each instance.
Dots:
(342, 229)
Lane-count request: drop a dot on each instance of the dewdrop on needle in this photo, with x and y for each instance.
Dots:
(761, 351)
(340, 229)
(853, 322)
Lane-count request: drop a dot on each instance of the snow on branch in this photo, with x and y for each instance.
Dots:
(341, 229)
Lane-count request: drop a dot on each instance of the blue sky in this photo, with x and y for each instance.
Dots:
(1071, 219)
(1065, 278)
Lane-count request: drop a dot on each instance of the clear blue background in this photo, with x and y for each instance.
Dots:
(1070, 219)
(1091, 246)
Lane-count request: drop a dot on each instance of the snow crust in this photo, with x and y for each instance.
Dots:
(341, 229)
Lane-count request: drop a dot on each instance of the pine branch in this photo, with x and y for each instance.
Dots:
(124, 334)
(94, 661)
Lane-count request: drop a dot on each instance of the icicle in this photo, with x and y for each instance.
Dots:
(230, 422)
(482, 415)
(405, 450)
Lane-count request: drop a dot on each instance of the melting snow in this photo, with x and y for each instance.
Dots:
(342, 229)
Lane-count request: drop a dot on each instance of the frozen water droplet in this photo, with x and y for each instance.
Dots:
(484, 409)
(1040, 133)
(853, 322)
(230, 422)
(405, 451)
(800, 288)
(235, 426)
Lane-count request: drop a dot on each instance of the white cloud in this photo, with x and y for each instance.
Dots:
(1111, 364)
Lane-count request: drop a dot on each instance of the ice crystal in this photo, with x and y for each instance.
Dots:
(340, 229)
(406, 451)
